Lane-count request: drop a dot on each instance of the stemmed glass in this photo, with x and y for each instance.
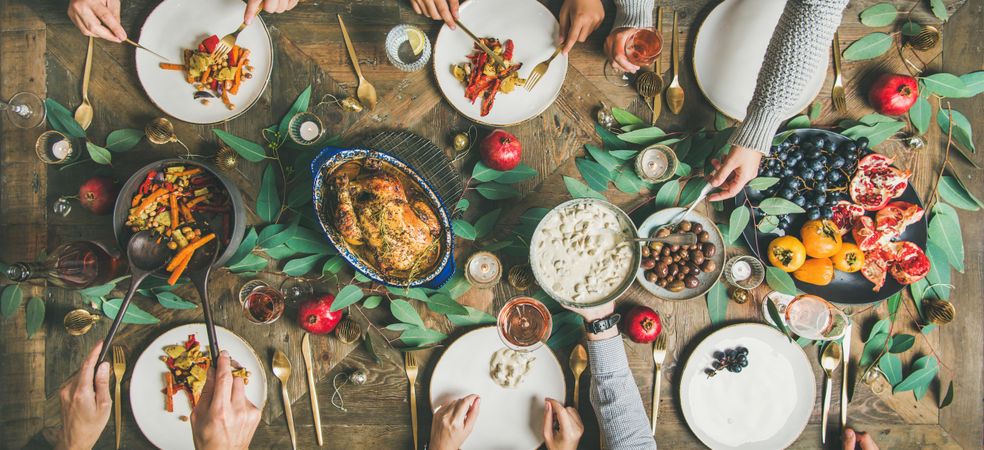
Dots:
(641, 49)
(812, 317)
(24, 110)
(524, 324)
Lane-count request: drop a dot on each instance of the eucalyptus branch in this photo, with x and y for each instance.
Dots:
(928, 343)
(934, 195)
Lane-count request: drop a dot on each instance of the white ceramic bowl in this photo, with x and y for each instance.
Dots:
(707, 280)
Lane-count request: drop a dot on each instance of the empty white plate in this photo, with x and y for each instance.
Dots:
(729, 51)
(533, 29)
(175, 25)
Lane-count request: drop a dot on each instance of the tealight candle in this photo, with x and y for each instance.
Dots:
(61, 149)
(656, 163)
(483, 270)
(740, 271)
(309, 130)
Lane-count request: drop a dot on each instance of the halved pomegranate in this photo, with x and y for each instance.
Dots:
(866, 235)
(892, 220)
(845, 213)
(911, 263)
(875, 267)
(876, 182)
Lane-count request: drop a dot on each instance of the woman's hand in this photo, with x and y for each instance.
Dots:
(224, 418)
(270, 6)
(863, 440)
(562, 427)
(97, 18)
(453, 422)
(578, 19)
(446, 10)
(85, 404)
(738, 168)
(615, 49)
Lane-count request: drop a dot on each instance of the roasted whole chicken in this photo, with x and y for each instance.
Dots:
(392, 226)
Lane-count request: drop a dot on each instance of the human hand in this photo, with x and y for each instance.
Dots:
(446, 10)
(562, 427)
(615, 49)
(595, 313)
(270, 6)
(97, 18)
(223, 418)
(738, 168)
(578, 19)
(453, 422)
(862, 439)
(85, 404)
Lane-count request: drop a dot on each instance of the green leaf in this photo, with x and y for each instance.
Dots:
(275, 234)
(956, 194)
(962, 132)
(691, 191)
(815, 109)
(768, 224)
(568, 328)
(738, 222)
(720, 121)
(717, 303)
(372, 301)
(245, 247)
(299, 195)
(481, 172)
(920, 113)
(608, 139)
(939, 270)
(123, 140)
(497, 191)
(399, 326)
(667, 195)
(414, 293)
(762, 183)
(485, 224)
(333, 265)
(902, 342)
(974, 82)
(301, 266)
(281, 251)
(268, 200)
(781, 137)
(624, 117)
(683, 169)
(876, 118)
(869, 46)
(780, 281)
(346, 296)
(624, 155)
(944, 231)
(133, 312)
(496, 246)
(98, 154)
(421, 337)
(776, 318)
(171, 300)
(404, 312)
(876, 133)
(579, 190)
(873, 348)
(928, 328)
(35, 315)
(893, 303)
(309, 241)
(945, 85)
(948, 398)
(462, 205)
(911, 28)
(522, 172)
(776, 206)
(609, 162)
(456, 286)
(251, 263)
(101, 290)
(800, 121)
(360, 277)
(939, 9)
(917, 380)
(627, 181)
(891, 366)
(367, 342)
(643, 136)
(594, 174)
(443, 304)
(249, 150)
(10, 300)
(62, 120)
(300, 105)
(463, 229)
(473, 317)
(880, 15)
(918, 291)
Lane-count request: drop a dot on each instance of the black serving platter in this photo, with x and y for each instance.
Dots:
(845, 288)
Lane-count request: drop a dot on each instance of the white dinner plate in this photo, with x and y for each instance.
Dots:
(729, 51)
(175, 25)
(707, 280)
(510, 418)
(165, 429)
(766, 405)
(533, 29)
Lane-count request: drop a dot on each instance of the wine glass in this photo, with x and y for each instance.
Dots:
(24, 110)
(524, 324)
(814, 318)
(641, 49)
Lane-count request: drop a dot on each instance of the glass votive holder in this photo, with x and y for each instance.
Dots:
(744, 271)
(55, 148)
(400, 52)
(656, 163)
(305, 128)
(296, 289)
(264, 305)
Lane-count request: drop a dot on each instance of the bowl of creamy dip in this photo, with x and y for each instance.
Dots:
(582, 253)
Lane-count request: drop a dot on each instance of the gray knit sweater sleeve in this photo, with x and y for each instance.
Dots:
(633, 14)
(798, 47)
(615, 397)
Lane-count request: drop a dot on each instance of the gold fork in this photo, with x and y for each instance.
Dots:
(659, 354)
(539, 70)
(119, 368)
(410, 363)
(228, 41)
(837, 93)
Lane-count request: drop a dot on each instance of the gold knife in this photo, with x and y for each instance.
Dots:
(498, 59)
(312, 390)
(657, 102)
(144, 48)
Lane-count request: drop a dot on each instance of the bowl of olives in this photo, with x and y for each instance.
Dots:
(680, 272)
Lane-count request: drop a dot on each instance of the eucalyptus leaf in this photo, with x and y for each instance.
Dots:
(738, 222)
(881, 326)
(691, 191)
(444, 304)
(945, 85)
(62, 120)
(309, 241)
(133, 313)
(360, 277)
(683, 169)
(456, 286)
(348, 295)
(939, 271)
(945, 231)
(497, 191)
(902, 342)
(275, 234)
(876, 118)
(870, 46)
(399, 326)
(367, 342)
(920, 114)
(123, 140)
(485, 224)
(245, 247)
(893, 304)
(249, 150)
(463, 229)
(594, 174)
(911, 28)
(268, 200)
(414, 293)
(372, 301)
(300, 104)
(800, 121)
(624, 155)
(422, 336)
(776, 318)
(609, 162)
(404, 312)
(917, 381)
(171, 300)
(777, 206)
(462, 205)
(35, 316)
(333, 265)
(10, 300)
(643, 136)
(279, 252)
(301, 266)
(251, 263)
(876, 133)
(815, 109)
(973, 82)
(948, 397)
(717, 303)
(768, 224)
(101, 290)
(762, 183)
(939, 9)
(299, 195)
(481, 172)
(962, 132)
(875, 346)
(720, 121)
(98, 154)
(472, 317)
(609, 140)
(891, 366)
(780, 281)
(522, 172)
(667, 195)
(579, 190)
(568, 328)
(954, 192)
(627, 181)
(880, 15)
(624, 117)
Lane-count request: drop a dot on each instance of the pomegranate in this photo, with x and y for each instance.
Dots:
(875, 267)
(501, 150)
(98, 194)
(876, 182)
(893, 94)
(845, 213)
(911, 263)
(642, 324)
(893, 219)
(866, 235)
(316, 317)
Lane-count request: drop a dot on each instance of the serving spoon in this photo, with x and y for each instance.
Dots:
(578, 362)
(199, 268)
(829, 361)
(673, 239)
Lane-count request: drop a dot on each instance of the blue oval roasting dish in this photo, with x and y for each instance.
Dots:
(330, 159)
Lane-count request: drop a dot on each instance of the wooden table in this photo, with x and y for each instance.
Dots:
(41, 51)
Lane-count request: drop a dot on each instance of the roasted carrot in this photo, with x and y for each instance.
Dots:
(205, 74)
(188, 172)
(188, 250)
(136, 200)
(179, 270)
(235, 82)
(151, 199)
(234, 55)
(186, 213)
(171, 66)
(197, 200)
(174, 211)
(169, 395)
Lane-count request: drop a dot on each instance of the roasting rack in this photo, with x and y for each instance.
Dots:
(432, 162)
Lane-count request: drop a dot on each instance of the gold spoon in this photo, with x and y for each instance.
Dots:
(674, 93)
(365, 92)
(578, 362)
(83, 114)
(281, 368)
(829, 360)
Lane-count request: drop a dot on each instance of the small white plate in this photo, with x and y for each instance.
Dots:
(707, 280)
(164, 429)
(766, 405)
(175, 25)
(729, 51)
(511, 418)
(533, 29)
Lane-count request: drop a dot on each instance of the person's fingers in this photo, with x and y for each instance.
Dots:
(102, 385)
(252, 7)
(565, 24)
(849, 439)
(270, 6)
(84, 382)
(112, 22)
(223, 380)
(238, 397)
(866, 441)
(416, 6)
(722, 171)
(454, 8)
(461, 408)
(442, 8)
(727, 190)
(208, 391)
(624, 64)
(114, 8)
(548, 421)
(473, 411)
(432, 9)
(584, 32)
(563, 418)
(575, 417)
(572, 32)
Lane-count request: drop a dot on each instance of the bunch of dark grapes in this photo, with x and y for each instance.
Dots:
(732, 360)
(814, 173)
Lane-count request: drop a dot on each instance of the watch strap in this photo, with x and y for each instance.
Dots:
(603, 324)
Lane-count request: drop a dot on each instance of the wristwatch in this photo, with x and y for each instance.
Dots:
(600, 325)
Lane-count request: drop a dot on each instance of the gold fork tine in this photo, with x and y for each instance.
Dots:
(119, 368)
(539, 70)
(659, 355)
(410, 363)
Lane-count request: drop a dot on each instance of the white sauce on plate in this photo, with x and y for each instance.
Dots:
(508, 367)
